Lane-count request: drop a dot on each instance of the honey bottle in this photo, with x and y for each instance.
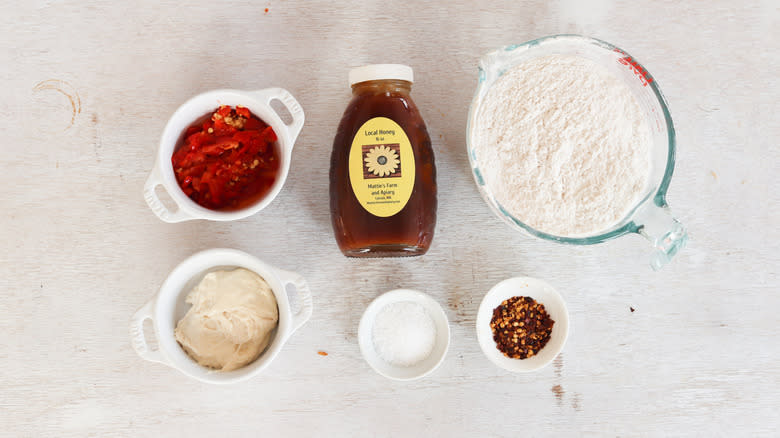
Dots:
(382, 170)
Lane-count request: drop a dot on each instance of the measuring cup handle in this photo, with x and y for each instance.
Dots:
(162, 212)
(667, 235)
(139, 338)
(292, 105)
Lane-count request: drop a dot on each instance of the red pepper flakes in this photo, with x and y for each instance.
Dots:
(228, 161)
(521, 327)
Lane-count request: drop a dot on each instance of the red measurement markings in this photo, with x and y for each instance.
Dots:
(640, 71)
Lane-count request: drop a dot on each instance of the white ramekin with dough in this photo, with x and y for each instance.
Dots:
(169, 306)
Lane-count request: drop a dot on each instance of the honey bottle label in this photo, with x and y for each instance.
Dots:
(381, 167)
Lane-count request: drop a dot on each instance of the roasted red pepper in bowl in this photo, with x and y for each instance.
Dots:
(227, 162)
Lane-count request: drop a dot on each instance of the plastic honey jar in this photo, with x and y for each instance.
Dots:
(382, 170)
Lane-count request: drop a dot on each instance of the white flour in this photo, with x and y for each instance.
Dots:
(563, 146)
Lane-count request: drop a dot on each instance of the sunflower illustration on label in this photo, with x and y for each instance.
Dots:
(382, 160)
(381, 167)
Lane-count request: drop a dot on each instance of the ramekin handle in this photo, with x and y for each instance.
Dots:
(303, 294)
(138, 338)
(162, 212)
(292, 105)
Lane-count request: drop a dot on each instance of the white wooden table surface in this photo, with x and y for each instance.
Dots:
(88, 87)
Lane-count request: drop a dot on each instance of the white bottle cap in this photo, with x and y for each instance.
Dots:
(375, 72)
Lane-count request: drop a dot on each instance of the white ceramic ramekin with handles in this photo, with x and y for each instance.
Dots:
(168, 307)
(259, 103)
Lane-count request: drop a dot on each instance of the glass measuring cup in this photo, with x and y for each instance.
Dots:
(650, 217)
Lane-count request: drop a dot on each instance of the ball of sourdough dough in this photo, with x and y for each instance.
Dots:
(230, 322)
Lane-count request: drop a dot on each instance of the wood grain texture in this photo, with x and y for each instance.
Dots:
(81, 251)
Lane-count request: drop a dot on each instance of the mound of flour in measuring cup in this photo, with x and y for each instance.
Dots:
(563, 146)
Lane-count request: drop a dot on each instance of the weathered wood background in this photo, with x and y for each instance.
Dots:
(88, 87)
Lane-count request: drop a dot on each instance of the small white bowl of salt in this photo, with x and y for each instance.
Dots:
(404, 334)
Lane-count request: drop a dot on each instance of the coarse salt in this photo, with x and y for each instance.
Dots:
(403, 334)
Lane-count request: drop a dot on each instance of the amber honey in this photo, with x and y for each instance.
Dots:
(382, 173)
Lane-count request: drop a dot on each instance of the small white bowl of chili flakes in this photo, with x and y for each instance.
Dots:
(224, 155)
(522, 324)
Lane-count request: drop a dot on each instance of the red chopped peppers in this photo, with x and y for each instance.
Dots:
(227, 162)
